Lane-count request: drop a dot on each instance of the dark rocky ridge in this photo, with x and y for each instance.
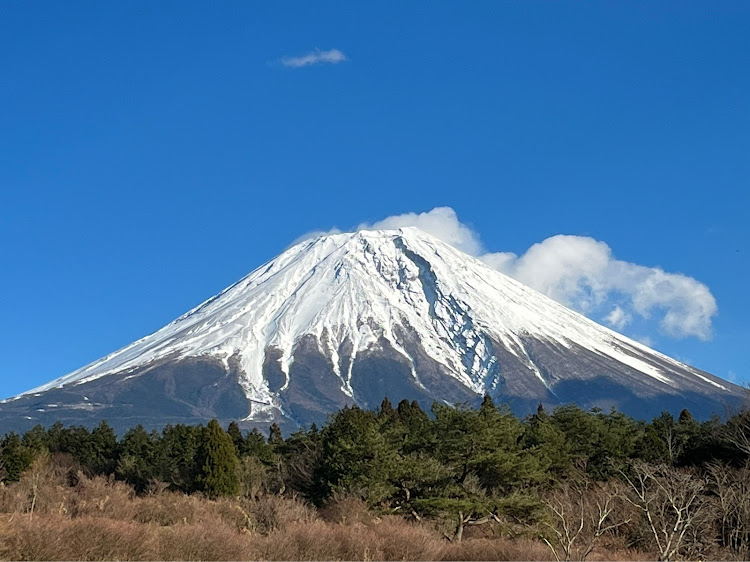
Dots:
(403, 313)
(194, 390)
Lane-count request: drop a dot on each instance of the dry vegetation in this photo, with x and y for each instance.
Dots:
(394, 484)
(55, 512)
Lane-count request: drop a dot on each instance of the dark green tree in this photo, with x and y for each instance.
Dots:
(548, 443)
(274, 435)
(233, 430)
(137, 458)
(257, 446)
(356, 458)
(176, 456)
(300, 462)
(102, 449)
(14, 457)
(386, 410)
(36, 439)
(218, 462)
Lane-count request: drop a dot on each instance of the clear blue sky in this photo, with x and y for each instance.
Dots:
(151, 153)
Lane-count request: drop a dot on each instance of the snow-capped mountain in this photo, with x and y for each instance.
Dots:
(350, 318)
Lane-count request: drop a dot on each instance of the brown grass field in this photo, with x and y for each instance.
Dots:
(62, 514)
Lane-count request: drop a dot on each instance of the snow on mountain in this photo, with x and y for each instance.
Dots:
(401, 290)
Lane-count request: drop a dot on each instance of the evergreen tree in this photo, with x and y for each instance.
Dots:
(300, 460)
(218, 462)
(36, 439)
(356, 458)
(177, 452)
(14, 457)
(55, 438)
(547, 442)
(137, 460)
(239, 442)
(257, 446)
(404, 409)
(102, 449)
(274, 435)
(386, 411)
(487, 404)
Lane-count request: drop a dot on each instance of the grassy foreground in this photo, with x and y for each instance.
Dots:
(55, 512)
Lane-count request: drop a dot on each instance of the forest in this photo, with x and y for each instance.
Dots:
(396, 483)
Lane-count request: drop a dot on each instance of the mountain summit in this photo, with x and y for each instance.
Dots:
(350, 318)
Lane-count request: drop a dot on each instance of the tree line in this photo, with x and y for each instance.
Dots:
(676, 486)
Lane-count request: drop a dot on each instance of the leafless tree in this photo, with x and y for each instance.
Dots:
(39, 472)
(731, 488)
(737, 431)
(672, 502)
(581, 513)
(470, 519)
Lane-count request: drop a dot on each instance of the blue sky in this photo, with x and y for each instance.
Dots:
(153, 153)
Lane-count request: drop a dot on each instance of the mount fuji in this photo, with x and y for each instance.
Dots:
(346, 319)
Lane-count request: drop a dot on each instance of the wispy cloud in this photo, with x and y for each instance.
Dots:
(441, 222)
(582, 273)
(333, 56)
(618, 318)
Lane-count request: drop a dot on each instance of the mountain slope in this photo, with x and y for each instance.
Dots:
(348, 318)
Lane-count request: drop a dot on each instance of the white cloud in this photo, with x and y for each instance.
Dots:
(582, 273)
(441, 222)
(333, 56)
(618, 318)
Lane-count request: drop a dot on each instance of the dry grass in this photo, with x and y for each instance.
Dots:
(75, 517)
(61, 537)
(390, 539)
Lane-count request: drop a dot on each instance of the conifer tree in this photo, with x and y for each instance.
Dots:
(14, 456)
(178, 449)
(218, 463)
(355, 455)
(386, 410)
(136, 463)
(103, 449)
(239, 442)
(274, 435)
(487, 404)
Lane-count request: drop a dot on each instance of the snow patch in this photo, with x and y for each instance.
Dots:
(358, 288)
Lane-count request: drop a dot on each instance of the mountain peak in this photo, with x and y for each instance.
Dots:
(349, 317)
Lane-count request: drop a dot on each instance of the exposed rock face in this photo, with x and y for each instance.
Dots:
(350, 318)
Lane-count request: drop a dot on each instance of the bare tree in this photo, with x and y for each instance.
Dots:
(672, 502)
(581, 513)
(38, 472)
(731, 488)
(737, 431)
(470, 519)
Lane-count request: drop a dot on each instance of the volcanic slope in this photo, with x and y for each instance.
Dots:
(349, 318)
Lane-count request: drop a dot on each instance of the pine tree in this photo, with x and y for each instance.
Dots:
(386, 410)
(103, 445)
(177, 455)
(239, 442)
(136, 463)
(14, 456)
(218, 462)
(274, 435)
(356, 458)
(487, 404)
